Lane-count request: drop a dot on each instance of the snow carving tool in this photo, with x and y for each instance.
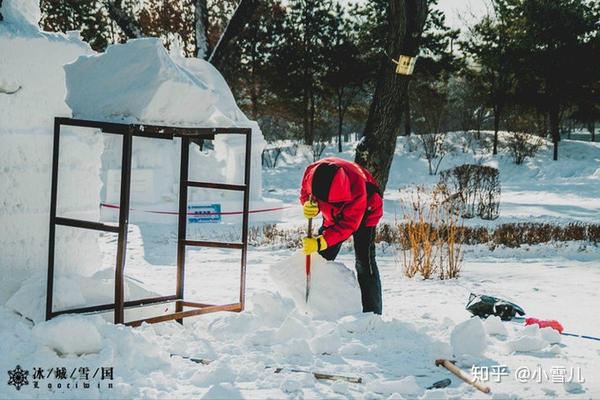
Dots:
(449, 365)
(440, 384)
(308, 262)
(320, 375)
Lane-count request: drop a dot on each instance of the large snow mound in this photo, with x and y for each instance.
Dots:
(140, 81)
(32, 92)
(334, 289)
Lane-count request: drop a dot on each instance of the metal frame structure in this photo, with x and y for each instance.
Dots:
(128, 131)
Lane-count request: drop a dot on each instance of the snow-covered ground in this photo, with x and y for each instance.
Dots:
(267, 350)
(393, 354)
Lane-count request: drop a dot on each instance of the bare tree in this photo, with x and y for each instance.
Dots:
(124, 20)
(201, 28)
(405, 19)
(242, 15)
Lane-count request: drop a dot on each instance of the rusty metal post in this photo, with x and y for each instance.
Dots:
(182, 223)
(52, 230)
(123, 226)
(245, 217)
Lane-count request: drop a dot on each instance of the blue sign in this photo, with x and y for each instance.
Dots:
(202, 214)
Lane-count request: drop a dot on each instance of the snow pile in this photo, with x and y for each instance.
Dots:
(532, 339)
(32, 93)
(69, 335)
(334, 290)
(140, 82)
(469, 338)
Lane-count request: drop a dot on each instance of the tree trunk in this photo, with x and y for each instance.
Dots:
(554, 128)
(407, 127)
(1, 17)
(496, 128)
(201, 29)
(126, 22)
(592, 129)
(406, 19)
(340, 111)
(242, 15)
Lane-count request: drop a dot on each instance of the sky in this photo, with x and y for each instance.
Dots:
(459, 11)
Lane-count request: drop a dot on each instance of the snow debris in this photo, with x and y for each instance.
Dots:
(334, 289)
(341, 387)
(70, 334)
(494, 326)
(527, 343)
(406, 387)
(550, 335)
(222, 391)
(469, 338)
(326, 343)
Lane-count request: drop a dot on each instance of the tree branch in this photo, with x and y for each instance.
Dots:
(242, 15)
(126, 22)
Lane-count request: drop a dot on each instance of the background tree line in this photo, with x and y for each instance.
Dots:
(308, 69)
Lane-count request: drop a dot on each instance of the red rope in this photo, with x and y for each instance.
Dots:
(106, 205)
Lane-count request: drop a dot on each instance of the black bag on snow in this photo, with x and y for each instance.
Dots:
(483, 306)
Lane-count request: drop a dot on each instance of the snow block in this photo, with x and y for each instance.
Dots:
(334, 289)
(469, 338)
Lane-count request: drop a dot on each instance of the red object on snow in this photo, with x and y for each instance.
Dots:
(552, 323)
(341, 192)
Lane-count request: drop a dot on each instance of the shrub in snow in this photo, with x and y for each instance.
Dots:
(469, 338)
(432, 237)
(472, 190)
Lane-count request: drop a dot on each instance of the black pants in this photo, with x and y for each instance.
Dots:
(366, 267)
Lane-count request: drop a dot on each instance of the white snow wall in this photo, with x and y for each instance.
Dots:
(31, 66)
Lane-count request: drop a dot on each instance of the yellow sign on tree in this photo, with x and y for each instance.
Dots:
(405, 65)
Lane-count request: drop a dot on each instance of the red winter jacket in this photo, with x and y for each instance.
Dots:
(352, 193)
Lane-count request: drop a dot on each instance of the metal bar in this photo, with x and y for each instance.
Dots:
(52, 226)
(197, 305)
(182, 222)
(123, 227)
(182, 314)
(157, 135)
(199, 132)
(245, 218)
(108, 127)
(211, 185)
(78, 223)
(105, 307)
(219, 245)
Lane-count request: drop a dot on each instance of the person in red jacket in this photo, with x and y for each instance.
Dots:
(351, 203)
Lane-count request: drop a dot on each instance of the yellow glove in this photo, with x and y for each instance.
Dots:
(311, 209)
(312, 245)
